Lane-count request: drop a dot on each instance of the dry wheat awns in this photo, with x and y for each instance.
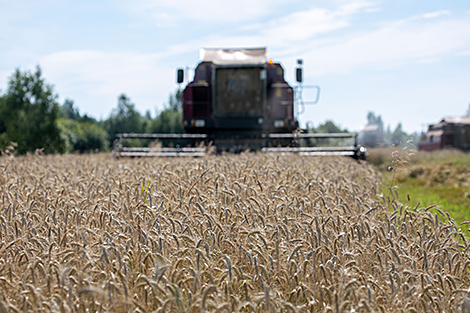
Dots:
(242, 233)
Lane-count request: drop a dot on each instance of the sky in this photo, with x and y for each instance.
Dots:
(406, 60)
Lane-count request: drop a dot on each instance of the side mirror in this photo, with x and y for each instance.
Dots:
(298, 74)
(179, 75)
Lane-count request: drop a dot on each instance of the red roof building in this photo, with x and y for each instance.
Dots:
(450, 132)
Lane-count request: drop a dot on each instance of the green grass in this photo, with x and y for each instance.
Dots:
(454, 200)
(441, 178)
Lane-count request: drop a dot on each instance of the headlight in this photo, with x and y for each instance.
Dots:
(279, 123)
(199, 123)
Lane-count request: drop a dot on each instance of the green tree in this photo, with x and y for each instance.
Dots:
(399, 137)
(84, 136)
(29, 113)
(2, 122)
(83, 133)
(68, 111)
(169, 119)
(329, 127)
(174, 101)
(123, 119)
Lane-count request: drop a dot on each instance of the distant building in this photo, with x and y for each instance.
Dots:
(450, 132)
(371, 136)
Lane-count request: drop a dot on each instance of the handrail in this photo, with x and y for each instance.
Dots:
(160, 136)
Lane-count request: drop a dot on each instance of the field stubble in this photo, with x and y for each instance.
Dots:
(243, 233)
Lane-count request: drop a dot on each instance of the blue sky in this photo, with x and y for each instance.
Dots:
(408, 61)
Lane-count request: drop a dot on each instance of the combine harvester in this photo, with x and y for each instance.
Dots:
(237, 101)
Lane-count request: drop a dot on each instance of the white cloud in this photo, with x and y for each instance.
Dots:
(208, 11)
(86, 74)
(235, 12)
(97, 67)
(428, 60)
(305, 25)
(390, 46)
(435, 14)
(289, 32)
(302, 26)
(420, 38)
(354, 7)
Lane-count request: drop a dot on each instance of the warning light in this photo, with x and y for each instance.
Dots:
(270, 62)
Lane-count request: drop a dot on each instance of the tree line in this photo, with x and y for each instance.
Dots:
(31, 119)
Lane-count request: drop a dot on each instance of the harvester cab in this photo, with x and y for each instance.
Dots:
(239, 100)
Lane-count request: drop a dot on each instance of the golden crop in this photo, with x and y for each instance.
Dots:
(238, 233)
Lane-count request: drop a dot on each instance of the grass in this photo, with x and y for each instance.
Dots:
(423, 178)
(451, 199)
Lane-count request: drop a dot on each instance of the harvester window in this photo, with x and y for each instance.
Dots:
(239, 92)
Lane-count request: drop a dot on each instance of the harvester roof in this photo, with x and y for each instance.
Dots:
(234, 56)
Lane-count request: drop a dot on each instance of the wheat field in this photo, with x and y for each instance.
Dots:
(235, 233)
